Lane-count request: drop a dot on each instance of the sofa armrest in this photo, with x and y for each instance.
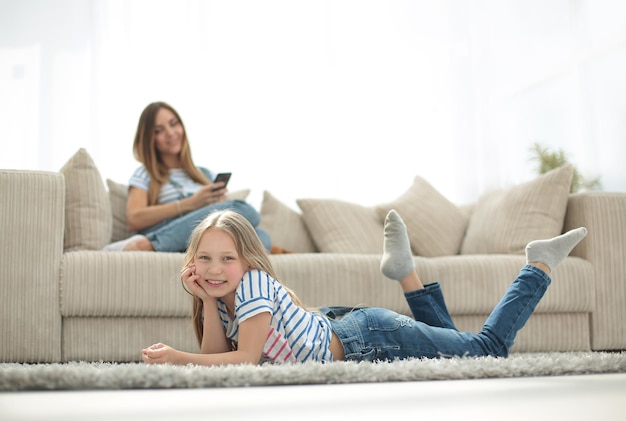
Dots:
(604, 215)
(32, 223)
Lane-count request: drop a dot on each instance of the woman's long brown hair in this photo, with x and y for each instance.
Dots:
(145, 151)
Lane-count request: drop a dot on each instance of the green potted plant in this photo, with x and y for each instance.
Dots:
(548, 160)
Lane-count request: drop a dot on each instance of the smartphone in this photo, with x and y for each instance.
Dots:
(223, 176)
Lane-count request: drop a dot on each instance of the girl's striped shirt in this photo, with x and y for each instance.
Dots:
(295, 335)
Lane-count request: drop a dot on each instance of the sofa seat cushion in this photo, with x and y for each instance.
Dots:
(475, 284)
(115, 284)
(471, 284)
(143, 284)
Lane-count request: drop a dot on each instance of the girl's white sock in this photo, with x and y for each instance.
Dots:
(397, 261)
(552, 252)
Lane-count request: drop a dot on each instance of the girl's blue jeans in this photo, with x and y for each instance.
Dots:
(370, 334)
(173, 234)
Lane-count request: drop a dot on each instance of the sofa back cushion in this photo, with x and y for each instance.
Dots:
(435, 225)
(118, 194)
(285, 225)
(337, 226)
(88, 221)
(504, 221)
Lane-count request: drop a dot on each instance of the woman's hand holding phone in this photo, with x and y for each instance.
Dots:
(222, 177)
(212, 193)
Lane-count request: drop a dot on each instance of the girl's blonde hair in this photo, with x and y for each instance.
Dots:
(145, 151)
(248, 246)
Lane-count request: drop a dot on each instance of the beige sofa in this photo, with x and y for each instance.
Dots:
(64, 300)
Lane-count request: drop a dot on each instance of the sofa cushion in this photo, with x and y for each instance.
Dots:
(88, 220)
(120, 284)
(341, 227)
(118, 195)
(238, 194)
(472, 285)
(504, 221)
(285, 226)
(435, 225)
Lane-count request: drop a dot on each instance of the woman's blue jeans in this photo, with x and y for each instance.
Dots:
(173, 234)
(370, 334)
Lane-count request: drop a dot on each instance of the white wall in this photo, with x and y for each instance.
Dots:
(341, 98)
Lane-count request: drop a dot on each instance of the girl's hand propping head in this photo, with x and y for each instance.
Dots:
(190, 278)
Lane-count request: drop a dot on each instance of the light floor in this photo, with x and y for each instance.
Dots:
(590, 397)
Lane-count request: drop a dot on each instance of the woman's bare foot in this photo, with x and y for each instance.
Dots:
(139, 244)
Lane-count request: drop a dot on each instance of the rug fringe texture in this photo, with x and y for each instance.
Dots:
(115, 376)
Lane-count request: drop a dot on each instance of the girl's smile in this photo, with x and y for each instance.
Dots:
(215, 284)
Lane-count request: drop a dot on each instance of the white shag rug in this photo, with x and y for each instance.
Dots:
(115, 376)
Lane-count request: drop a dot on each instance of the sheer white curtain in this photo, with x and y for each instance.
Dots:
(349, 99)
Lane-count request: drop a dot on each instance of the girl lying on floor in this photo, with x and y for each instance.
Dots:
(243, 314)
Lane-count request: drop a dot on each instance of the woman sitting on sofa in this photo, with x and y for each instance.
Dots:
(168, 195)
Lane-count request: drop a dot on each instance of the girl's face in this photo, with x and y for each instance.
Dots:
(168, 133)
(218, 264)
